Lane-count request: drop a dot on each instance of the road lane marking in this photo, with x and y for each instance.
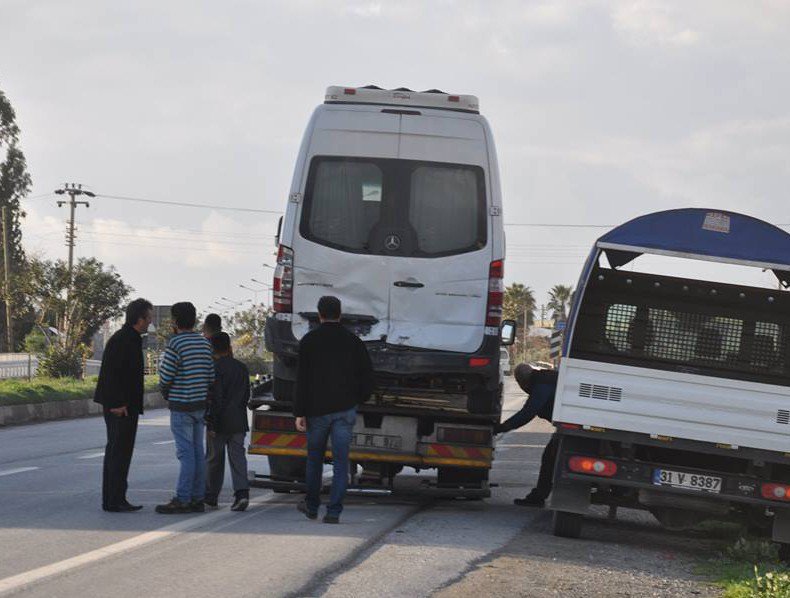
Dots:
(91, 455)
(22, 580)
(17, 470)
(166, 442)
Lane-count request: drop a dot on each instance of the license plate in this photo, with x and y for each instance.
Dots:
(377, 441)
(688, 481)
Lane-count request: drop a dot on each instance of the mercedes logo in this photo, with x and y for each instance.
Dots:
(392, 243)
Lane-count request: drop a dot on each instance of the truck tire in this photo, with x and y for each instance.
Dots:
(462, 476)
(283, 390)
(567, 525)
(287, 469)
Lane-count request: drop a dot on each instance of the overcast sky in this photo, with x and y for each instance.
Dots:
(601, 112)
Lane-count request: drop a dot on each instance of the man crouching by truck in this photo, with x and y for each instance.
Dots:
(541, 386)
(334, 376)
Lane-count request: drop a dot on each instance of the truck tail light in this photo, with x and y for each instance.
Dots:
(463, 436)
(496, 293)
(479, 362)
(592, 466)
(274, 422)
(776, 491)
(283, 286)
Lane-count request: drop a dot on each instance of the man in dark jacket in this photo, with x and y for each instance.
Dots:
(334, 376)
(226, 420)
(120, 391)
(541, 386)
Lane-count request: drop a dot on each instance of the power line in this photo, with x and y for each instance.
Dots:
(185, 204)
(558, 225)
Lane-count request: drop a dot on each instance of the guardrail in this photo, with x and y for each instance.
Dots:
(24, 365)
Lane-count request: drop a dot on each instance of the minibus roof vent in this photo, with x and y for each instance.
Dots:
(402, 96)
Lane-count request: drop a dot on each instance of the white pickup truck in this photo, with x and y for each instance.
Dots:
(674, 393)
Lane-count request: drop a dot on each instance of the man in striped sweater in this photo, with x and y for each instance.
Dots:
(186, 372)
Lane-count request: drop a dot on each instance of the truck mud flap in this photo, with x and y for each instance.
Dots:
(570, 496)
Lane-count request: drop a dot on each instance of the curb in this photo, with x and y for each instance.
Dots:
(29, 413)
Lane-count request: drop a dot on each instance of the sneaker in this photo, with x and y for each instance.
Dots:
(211, 505)
(302, 507)
(331, 518)
(533, 499)
(197, 506)
(240, 504)
(173, 507)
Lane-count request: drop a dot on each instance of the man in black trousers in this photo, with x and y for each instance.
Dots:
(120, 391)
(541, 386)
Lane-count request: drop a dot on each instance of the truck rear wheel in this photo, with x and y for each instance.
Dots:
(450, 477)
(287, 469)
(283, 390)
(567, 525)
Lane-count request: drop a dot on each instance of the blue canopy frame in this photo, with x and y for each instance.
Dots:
(693, 233)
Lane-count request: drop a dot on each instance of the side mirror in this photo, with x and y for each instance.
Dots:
(508, 332)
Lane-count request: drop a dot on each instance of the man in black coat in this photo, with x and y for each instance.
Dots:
(541, 386)
(334, 376)
(226, 419)
(120, 391)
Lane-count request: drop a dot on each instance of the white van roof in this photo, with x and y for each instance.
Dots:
(432, 98)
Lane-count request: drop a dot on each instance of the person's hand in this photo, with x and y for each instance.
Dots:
(211, 433)
(120, 411)
(301, 424)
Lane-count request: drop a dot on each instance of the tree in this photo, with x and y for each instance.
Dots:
(14, 185)
(518, 300)
(519, 305)
(246, 327)
(559, 301)
(98, 295)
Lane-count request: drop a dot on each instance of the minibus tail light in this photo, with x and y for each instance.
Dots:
(283, 287)
(496, 293)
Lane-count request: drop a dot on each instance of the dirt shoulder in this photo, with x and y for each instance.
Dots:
(631, 556)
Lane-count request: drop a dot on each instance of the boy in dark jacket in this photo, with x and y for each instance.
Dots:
(226, 420)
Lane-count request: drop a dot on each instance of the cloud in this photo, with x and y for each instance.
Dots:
(651, 21)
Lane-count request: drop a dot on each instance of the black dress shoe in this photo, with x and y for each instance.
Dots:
(533, 499)
(130, 507)
(122, 509)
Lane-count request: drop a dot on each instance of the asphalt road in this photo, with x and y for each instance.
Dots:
(56, 541)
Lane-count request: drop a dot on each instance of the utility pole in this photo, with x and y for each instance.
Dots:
(73, 191)
(524, 347)
(7, 284)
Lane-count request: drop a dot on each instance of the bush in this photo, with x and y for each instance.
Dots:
(770, 584)
(35, 342)
(58, 361)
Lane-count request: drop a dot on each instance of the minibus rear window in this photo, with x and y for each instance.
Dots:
(402, 208)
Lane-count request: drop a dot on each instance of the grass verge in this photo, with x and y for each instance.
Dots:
(43, 390)
(749, 568)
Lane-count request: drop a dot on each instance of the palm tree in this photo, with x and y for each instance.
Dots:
(518, 302)
(559, 300)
